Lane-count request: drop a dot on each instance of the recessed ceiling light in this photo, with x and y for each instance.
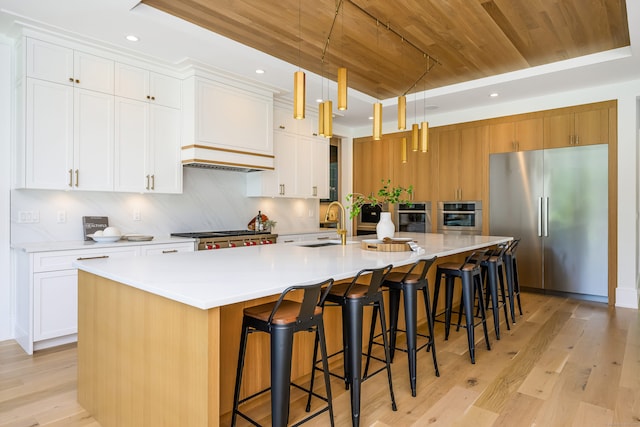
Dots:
(370, 117)
(494, 95)
(132, 38)
(319, 100)
(259, 71)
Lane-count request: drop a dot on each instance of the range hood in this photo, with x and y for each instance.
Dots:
(204, 156)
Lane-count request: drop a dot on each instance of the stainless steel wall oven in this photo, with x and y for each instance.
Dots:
(460, 217)
(368, 218)
(414, 217)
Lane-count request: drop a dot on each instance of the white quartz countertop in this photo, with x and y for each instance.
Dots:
(81, 244)
(208, 279)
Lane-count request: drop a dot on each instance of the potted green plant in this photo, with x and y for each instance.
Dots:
(386, 194)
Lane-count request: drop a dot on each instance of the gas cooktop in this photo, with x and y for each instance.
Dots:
(229, 233)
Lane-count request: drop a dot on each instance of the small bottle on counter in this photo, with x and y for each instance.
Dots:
(258, 225)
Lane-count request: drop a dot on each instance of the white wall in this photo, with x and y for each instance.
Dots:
(6, 306)
(627, 94)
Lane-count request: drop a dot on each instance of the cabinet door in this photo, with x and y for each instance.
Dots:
(131, 82)
(529, 134)
(48, 135)
(592, 127)
(362, 170)
(55, 307)
(165, 90)
(131, 144)
(473, 162)
(93, 140)
(165, 166)
(93, 72)
(503, 138)
(448, 165)
(285, 163)
(49, 62)
(559, 130)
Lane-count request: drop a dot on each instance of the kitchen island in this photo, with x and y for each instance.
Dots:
(158, 336)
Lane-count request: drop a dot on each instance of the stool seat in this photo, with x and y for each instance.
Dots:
(287, 312)
(399, 277)
(357, 291)
(452, 267)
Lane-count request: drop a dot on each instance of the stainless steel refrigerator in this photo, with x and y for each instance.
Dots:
(555, 200)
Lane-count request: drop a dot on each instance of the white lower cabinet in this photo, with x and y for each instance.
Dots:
(47, 290)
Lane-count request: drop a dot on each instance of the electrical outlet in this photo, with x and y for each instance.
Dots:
(35, 216)
(311, 213)
(61, 217)
(28, 217)
(136, 215)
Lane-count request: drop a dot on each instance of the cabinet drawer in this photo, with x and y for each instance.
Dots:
(166, 248)
(63, 260)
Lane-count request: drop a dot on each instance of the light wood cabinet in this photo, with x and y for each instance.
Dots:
(462, 163)
(371, 164)
(417, 171)
(577, 128)
(520, 135)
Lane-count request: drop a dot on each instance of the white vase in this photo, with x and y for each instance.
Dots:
(385, 227)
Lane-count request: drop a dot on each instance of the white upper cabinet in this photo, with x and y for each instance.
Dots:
(143, 85)
(91, 123)
(68, 120)
(148, 131)
(301, 161)
(57, 64)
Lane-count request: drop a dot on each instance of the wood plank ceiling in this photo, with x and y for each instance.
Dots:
(469, 39)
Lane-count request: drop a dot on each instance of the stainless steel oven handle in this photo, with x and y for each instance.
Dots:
(539, 216)
(546, 217)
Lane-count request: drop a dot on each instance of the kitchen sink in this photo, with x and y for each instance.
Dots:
(322, 243)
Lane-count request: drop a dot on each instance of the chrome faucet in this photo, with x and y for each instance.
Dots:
(342, 229)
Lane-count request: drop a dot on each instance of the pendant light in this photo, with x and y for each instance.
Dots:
(415, 137)
(342, 88)
(298, 95)
(321, 118)
(402, 112)
(424, 137)
(403, 151)
(328, 119)
(377, 121)
(299, 79)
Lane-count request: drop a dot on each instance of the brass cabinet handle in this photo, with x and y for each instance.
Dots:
(77, 81)
(70, 177)
(153, 182)
(77, 177)
(315, 191)
(170, 251)
(82, 258)
(71, 79)
(147, 186)
(281, 126)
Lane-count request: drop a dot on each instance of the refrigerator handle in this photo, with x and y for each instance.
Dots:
(539, 216)
(546, 217)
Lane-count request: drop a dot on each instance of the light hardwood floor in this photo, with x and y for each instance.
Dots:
(564, 363)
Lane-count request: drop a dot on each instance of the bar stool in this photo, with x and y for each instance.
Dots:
(513, 286)
(409, 284)
(471, 278)
(493, 277)
(352, 296)
(281, 319)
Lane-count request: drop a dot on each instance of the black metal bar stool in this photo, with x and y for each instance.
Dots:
(409, 283)
(493, 270)
(352, 296)
(281, 319)
(471, 278)
(513, 286)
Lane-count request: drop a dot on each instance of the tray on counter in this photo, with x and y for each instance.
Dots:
(387, 245)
